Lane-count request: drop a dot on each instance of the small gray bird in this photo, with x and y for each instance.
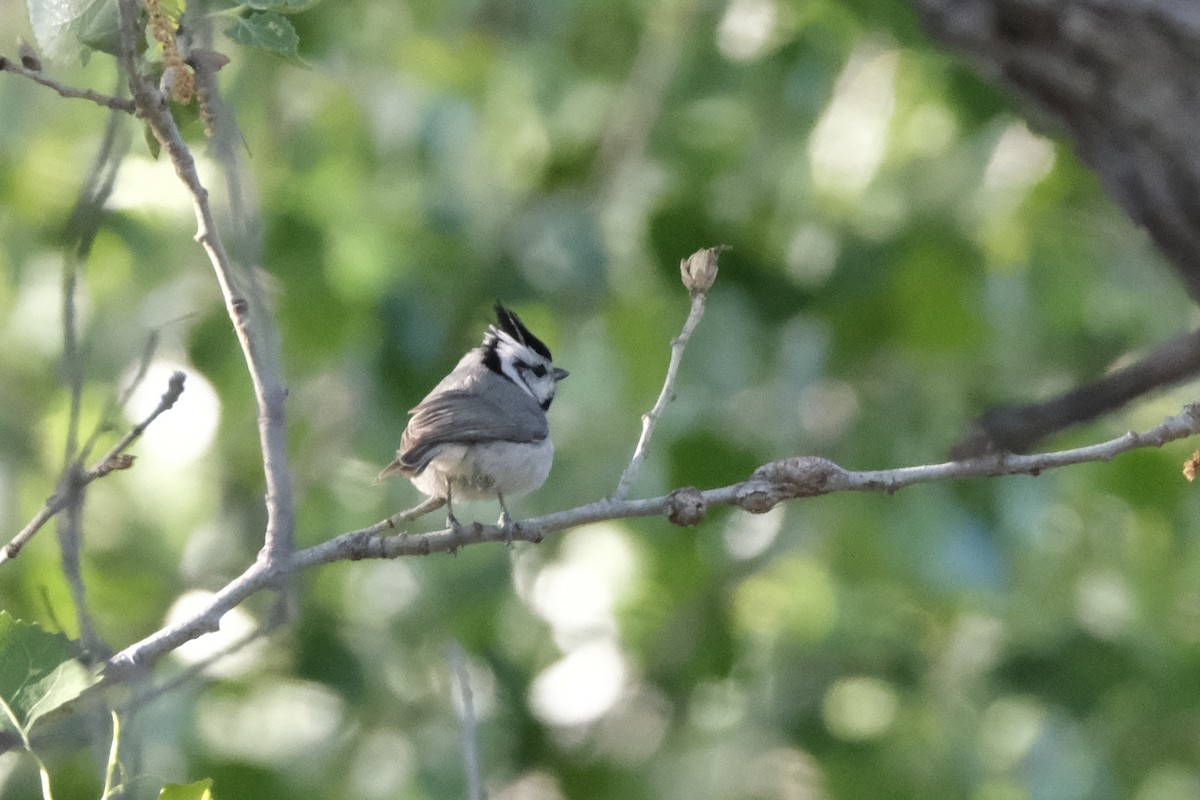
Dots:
(482, 431)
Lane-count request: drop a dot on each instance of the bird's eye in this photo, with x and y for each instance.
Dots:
(539, 370)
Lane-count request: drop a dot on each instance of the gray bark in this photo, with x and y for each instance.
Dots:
(1121, 78)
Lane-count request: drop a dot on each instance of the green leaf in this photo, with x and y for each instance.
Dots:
(200, 790)
(38, 671)
(267, 31)
(73, 28)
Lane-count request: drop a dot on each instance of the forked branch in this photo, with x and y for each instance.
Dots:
(769, 485)
(115, 459)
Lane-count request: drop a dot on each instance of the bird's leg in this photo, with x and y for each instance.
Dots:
(506, 521)
(451, 521)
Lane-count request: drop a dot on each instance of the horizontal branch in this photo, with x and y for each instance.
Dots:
(108, 101)
(769, 485)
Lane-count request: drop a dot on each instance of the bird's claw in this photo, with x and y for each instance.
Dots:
(509, 526)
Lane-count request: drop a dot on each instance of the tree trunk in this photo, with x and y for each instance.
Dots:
(1121, 77)
(1122, 80)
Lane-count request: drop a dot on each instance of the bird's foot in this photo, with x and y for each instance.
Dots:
(509, 526)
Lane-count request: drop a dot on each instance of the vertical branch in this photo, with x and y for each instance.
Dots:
(72, 362)
(82, 228)
(698, 271)
(70, 540)
(468, 726)
(247, 310)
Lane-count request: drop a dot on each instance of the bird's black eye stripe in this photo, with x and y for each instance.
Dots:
(537, 369)
(491, 360)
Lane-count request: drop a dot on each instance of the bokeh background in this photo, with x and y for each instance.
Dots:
(906, 250)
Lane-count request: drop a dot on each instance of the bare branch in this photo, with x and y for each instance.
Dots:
(108, 101)
(698, 272)
(251, 320)
(117, 402)
(83, 227)
(70, 542)
(1018, 428)
(146, 696)
(771, 484)
(408, 515)
(112, 460)
(115, 459)
(639, 102)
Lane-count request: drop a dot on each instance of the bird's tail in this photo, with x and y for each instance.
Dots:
(390, 470)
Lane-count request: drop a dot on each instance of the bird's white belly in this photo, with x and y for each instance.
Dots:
(479, 471)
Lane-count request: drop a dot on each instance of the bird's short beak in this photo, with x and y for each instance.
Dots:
(559, 373)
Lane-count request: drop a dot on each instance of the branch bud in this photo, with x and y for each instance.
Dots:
(29, 57)
(801, 476)
(1192, 466)
(686, 507)
(699, 270)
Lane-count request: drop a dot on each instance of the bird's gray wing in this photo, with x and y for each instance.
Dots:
(494, 409)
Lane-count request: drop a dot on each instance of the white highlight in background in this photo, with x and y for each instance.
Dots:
(746, 29)
(1020, 159)
(184, 433)
(580, 687)
(849, 141)
(235, 625)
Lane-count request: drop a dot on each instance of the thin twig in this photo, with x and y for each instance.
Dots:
(116, 403)
(771, 484)
(468, 725)
(114, 771)
(113, 460)
(650, 418)
(419, 510)
(15, 723)
(84, 225)
(699, 284)
(108, 101)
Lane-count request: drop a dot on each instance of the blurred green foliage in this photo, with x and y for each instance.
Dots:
(905, 252)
